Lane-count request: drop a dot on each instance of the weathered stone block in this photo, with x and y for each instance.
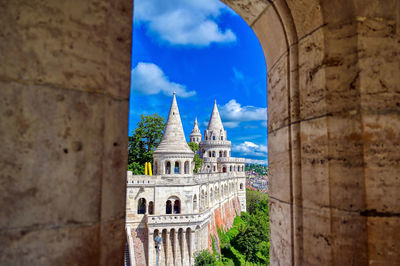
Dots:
(280, 227)
(279, 170)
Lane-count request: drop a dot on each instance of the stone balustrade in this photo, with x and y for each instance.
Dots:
(210, 159)
(199, 178)
(230, 160)
(216, 142)
(172, 219)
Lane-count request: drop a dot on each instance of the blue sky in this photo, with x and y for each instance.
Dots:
(205, 52)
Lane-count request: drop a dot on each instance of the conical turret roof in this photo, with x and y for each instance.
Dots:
(195, 130)
(173, 140)
(215, 120)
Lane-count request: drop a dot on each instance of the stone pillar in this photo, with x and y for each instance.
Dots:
(181, 167)
(178, 250)
(164, 248)
(192, 248)
(185, 251)
(162, 165)
(151, 251)
(172, 245)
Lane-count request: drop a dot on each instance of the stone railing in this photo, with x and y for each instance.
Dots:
(217, 142)
(210, 159)
(231, 160)
(171, 180)
(212, 177)
(177, 218)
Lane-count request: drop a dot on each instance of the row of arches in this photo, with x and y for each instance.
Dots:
(215, 194)
(232, 168)
(195, 139)
(176, 245)
(172, 206)
(220, 154)
(214, 138)
(142, 207)
(169, 167)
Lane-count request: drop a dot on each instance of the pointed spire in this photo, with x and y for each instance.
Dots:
(195, 127)
(173, 139)
(215, 120)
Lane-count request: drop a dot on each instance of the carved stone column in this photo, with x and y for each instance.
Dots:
(151, 253)
(192, 248)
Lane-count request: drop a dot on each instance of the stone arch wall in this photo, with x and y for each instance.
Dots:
(327, 62)
(333, 125)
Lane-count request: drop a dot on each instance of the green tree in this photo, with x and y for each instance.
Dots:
(253, 198)
(198, 162)
(204, 257)
(146, 137)
(194, 146)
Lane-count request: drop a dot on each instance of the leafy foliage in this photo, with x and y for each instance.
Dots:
(194, 146)
(204, 257)
(144, 141)
(253, 198)
(247, 242)
(198, 162)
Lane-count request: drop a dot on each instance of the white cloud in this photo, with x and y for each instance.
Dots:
(148, 78)
(234, 112)
(249, 148)
(230, 124)
(184, 22)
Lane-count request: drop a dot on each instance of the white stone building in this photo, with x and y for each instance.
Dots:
(182, 207)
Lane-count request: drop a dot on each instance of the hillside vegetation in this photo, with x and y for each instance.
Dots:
(247, 242)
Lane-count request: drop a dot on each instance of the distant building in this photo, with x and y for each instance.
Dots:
(182, 207)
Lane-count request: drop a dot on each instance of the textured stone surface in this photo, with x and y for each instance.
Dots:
(64, 82)
(333, 100)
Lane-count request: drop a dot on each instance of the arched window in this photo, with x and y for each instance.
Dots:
(230, 168)
(168, 207)
(214, 168)
(177, 207)
(187, 167)
(224, 169)
(176, 168)
(168, 168)
(241, 186)
(141, 209)
(224, 153)
(151, 207)
(213, 137)
(238, 169)
(209, 154)
(194, 202)
(222, 137)
(220, 153)
(213, 154)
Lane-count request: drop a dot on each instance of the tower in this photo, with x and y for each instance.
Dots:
(195, 136)
(173, 156)
(215, 144)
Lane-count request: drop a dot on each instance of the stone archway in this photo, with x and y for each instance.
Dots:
(333, 129)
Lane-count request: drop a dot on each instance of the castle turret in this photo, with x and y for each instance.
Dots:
(215, 129)
(215, 144)
(195, 136)
(173, 155)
